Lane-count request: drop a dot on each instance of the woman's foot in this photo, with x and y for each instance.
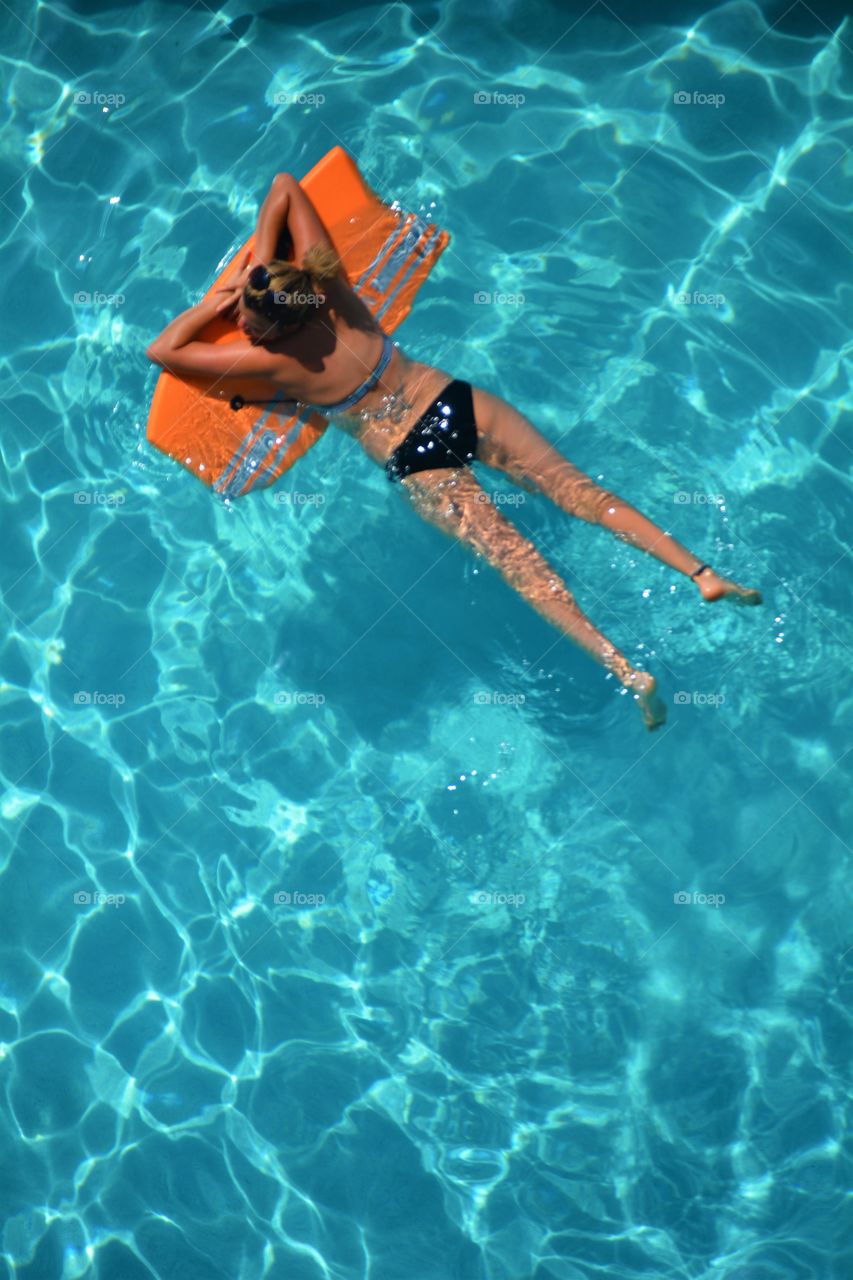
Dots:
(644, 688)
(713, 587)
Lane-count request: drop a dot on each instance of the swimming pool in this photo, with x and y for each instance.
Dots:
(352, 925)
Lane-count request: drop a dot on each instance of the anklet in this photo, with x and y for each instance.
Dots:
(701, 570)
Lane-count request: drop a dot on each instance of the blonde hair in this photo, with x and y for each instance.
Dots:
(289, 297)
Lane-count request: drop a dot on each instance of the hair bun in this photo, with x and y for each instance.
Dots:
(321, 263)
(286, 278)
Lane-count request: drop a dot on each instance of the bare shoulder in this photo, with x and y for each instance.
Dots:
(290, 374)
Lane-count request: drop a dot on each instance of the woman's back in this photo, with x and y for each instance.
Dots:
(332, 353)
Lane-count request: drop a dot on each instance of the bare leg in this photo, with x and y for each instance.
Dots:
(510, 443)
(455, 502)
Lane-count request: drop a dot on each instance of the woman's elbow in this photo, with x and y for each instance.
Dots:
(155, 353)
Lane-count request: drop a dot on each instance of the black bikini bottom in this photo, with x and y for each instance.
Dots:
(445, 435)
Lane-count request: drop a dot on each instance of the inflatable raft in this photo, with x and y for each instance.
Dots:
(386, 253)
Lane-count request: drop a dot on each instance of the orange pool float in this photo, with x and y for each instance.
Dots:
(386, 253)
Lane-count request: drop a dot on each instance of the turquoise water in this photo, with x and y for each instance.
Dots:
(344, 930)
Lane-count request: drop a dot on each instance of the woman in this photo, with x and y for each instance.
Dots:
(313, 336)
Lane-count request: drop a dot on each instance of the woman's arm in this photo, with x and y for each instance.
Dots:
(287, 207)
(272, 219)
(176, 351)
(272, 238)
(184, 327)
(288, 225)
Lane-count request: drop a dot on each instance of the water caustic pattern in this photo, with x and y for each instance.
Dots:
(351, 926)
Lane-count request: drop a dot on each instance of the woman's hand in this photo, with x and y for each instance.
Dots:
(232, 292)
